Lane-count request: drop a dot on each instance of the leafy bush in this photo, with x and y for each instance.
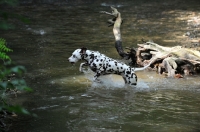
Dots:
(7, 15)
(10, 74)
(10, 79)
(3, 50)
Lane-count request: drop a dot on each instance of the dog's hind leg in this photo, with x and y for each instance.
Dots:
(133, 80)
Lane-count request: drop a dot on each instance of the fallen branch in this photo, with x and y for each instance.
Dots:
(171, 60)
(116, 22)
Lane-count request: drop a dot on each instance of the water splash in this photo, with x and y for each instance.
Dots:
(37, 31)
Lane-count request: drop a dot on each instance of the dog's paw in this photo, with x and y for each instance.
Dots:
(83, 70)
(98, 81)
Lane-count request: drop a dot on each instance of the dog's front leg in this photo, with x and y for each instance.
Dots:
(81, 66)
(96, 77)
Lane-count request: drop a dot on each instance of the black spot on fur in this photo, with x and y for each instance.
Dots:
(94, 65)
(111, 70)
(94, 69)
(132, 75)
(133, 83)
(91, 56)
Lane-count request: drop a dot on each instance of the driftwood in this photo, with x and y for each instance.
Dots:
(172, 60)
(116, 22)
(175, 61)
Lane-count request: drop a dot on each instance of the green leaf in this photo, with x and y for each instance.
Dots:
(18, 69)
(5, 26)
(3, 50)
(17, 109)
(3, 85)
(28, 89)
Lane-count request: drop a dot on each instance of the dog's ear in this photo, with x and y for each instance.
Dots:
(83, 50)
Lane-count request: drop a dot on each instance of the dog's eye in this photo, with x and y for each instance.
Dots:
(74, 56)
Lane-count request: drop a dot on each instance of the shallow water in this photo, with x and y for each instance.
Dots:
(66, 100)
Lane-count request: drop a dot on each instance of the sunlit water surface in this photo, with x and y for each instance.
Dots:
(66, 100)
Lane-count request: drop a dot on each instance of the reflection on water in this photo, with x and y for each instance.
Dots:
(66, 100)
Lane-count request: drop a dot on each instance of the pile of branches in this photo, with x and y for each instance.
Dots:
(174, 61)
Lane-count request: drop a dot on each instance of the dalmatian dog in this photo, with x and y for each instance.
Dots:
(101, 65)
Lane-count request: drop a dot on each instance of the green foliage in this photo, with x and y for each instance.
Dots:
(10, 75)
(15, 82)
(17, 109)
(10, 79)
(5, 15)
(3, 50)
(4, 25)
(9, 2)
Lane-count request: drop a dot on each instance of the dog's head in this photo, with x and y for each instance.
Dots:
(77, 55)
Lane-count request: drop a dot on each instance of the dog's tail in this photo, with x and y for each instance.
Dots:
(142, 68)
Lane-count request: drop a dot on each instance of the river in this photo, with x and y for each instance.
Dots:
(66, 100)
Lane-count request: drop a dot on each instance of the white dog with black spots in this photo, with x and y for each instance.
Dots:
(101, 65)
